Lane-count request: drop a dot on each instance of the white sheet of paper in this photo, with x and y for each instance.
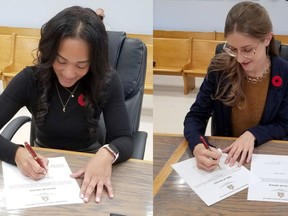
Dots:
(57, 188)
(268, 178)
(216, 185)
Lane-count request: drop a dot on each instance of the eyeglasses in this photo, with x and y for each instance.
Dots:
(245, 52)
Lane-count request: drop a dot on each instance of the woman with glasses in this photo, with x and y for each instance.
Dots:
(245, 90)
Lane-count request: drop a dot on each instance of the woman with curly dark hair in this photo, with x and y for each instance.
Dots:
(66, 90)
(245, 90)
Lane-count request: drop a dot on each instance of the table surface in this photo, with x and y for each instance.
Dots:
(175, 197)
(131, 181)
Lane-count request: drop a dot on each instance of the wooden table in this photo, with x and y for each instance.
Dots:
(175, 197)
(131, 182)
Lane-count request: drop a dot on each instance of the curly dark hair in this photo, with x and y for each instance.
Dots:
(74, 22)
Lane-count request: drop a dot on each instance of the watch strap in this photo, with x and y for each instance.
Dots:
(113, 150)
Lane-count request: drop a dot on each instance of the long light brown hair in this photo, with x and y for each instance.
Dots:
(250, 19)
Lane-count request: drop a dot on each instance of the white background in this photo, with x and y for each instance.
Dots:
(210, 15)
(131, 16)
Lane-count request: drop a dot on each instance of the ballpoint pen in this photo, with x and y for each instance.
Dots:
(34, 155)
(207, 146)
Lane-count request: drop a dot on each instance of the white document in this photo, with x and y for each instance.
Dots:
(215, 185)
(268, 178)
(57, 188)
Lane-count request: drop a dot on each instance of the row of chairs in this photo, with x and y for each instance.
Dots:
(186, 57)
(190, 57)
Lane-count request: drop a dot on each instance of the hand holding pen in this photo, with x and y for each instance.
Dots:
(34, 155)
(29, 165)
(207, 146)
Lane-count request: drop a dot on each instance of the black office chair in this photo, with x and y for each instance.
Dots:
(128, 57)
(219, 48)
(283, 51)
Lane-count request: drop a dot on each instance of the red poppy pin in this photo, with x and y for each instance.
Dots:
(277, 81)
(81, 100)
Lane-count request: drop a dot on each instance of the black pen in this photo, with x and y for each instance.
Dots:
(207, 146)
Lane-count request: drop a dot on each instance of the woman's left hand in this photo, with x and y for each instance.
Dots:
(97, 175)
(242, 147)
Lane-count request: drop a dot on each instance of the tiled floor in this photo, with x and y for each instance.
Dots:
(171, 105)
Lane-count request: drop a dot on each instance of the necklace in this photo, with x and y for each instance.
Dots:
(71, 95)
(73, 92)
(255, 80)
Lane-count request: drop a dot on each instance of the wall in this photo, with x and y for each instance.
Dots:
(131, 16)
(210, 15)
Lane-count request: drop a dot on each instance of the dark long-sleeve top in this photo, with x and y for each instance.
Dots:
(65, 130)
(273, 123)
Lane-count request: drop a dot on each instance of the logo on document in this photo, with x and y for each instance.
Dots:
(281, 194)
(231, 187)
(45, 198)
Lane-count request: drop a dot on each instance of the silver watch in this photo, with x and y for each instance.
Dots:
(113, 150)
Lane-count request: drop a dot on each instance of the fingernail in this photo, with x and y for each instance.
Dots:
(86, 199)
(81, 196)
(111, 196)
(97, 199)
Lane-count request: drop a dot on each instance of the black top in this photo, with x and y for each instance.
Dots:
(65, 130)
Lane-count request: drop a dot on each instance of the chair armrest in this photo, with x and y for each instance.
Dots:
(13, 126)
(139, 139)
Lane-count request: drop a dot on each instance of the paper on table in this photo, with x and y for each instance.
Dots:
(268, 178)
(216, 185)
(57, 188)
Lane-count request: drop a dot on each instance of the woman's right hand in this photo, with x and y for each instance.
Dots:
(206, 159)
(28, 166)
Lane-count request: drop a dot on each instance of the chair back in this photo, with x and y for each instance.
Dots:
(171, 52)
(6, 49)
(25, 51)
(219, 48)
(128, 57)
(202, 53)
